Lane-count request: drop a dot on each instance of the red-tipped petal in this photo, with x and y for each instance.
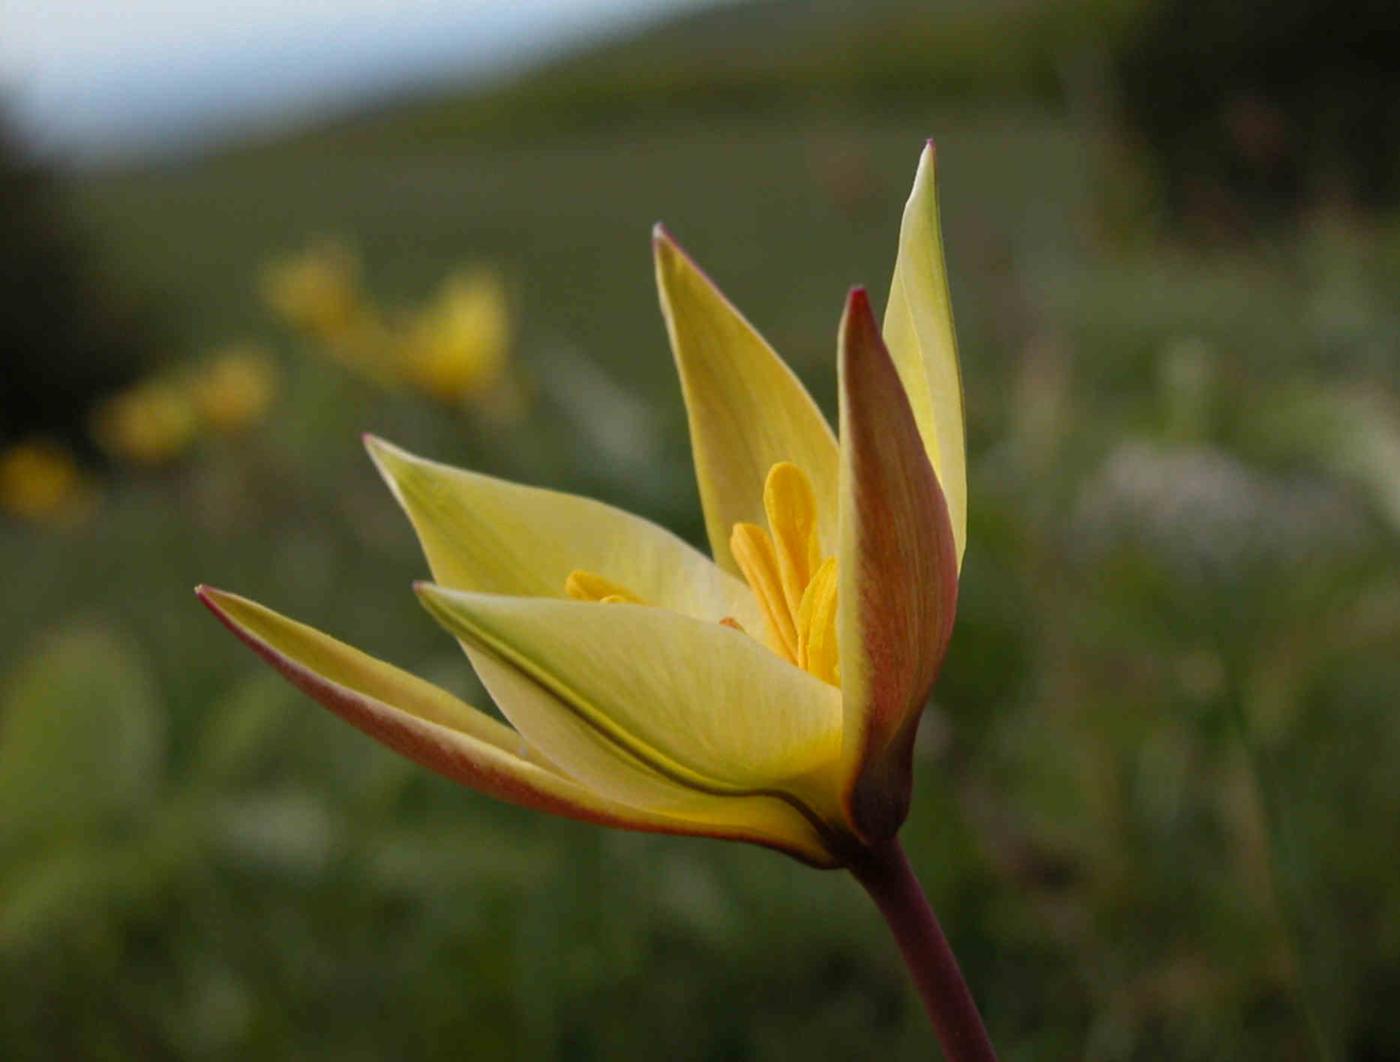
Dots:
(898, 571)
(437, 731)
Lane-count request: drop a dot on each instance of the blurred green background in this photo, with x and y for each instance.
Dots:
(1156, 800)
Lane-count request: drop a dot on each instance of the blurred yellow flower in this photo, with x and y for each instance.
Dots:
(233, 388)
(150, 423)
(456, 347)
(317, 291)
(40, 481)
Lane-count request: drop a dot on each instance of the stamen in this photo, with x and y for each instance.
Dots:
(753, 552)
(795, 588)
(792, 517)
(816, 625)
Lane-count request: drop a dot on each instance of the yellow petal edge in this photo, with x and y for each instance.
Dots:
(918, 331)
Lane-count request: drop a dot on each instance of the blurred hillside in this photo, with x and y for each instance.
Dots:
(790, 56)
(1154, 789)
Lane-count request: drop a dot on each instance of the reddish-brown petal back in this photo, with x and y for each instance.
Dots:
(899, 581)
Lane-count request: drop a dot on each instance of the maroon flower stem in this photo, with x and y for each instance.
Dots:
(886, 875)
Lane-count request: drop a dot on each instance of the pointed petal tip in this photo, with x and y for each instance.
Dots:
(860, 332)
(388, 458)
(213, 599)
(218, 601)
(665, 247)
(376, 446)
(667, 250)
(926, 172)
(431, 595)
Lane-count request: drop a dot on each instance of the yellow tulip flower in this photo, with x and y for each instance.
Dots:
(40, 482)
(233, 388)
(150, 423)
(316, 290)
(457, 346)
(684, 706)
(768, 692)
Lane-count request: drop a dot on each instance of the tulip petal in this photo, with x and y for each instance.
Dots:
(918, 330)
(485, 534)
(748, 411)
(898, 577)
(700, 704)
(440, 732)
(614, 773)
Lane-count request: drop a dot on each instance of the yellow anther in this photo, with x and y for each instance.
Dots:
(816, 625)
(753, 552)
(795, 588)
(792, 520)
(590, 586)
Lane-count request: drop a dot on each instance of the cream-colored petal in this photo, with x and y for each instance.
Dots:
(485, 534)
(606, 768)
(698, 703)
(898, 578)
(919, 332)
(747, 409)
(440, 732)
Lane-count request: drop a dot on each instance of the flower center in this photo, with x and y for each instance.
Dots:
(794, 585)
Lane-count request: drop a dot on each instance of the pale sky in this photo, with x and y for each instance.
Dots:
(87, 76)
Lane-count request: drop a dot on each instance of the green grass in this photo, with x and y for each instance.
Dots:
(1167, 524)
